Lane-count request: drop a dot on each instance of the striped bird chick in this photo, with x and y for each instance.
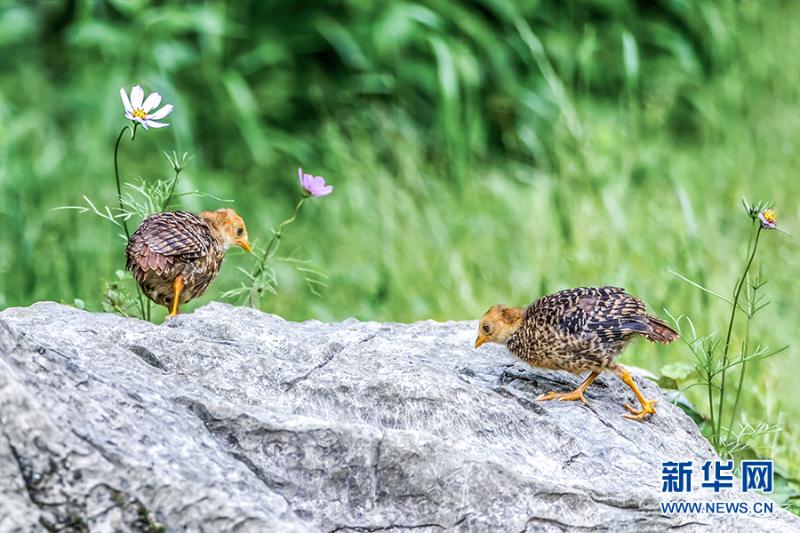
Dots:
(174, 256)
(577, 330)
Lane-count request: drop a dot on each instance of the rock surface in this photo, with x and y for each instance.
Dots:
(228, 419)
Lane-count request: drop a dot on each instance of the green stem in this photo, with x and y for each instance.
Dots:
(171, 190)
(710, 385)
(751, 311)
(745, 348)
(270, 250)
(116, 176)
(122, 209)
(727, 344)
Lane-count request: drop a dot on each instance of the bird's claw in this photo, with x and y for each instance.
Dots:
(563, 396)
(648, 408)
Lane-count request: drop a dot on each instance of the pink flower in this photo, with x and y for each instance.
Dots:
(138, 108)
(767, 219)
(313, 185)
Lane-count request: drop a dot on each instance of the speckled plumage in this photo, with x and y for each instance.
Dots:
(167, 245)
(583, 329)
(577, 330)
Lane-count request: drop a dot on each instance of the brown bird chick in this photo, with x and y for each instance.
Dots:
(175, 256)
(577, 330)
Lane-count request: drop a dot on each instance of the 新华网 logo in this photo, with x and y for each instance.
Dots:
(677, 477)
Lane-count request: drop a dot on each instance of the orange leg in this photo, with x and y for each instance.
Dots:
(577, 394)
(177, 287)
(648, 406)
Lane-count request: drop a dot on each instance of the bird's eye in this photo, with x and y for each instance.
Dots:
(239, 232)
(486, 328)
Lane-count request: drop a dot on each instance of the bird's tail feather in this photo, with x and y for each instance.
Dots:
(661, 331)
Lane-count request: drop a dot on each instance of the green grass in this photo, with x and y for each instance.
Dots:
(493, 158)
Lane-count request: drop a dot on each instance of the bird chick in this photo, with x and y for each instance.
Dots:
(577, 330)
(174, 256)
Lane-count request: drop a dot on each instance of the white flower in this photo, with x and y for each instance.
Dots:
(138, 108)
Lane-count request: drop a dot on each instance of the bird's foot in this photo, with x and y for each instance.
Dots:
(170, 315)
(648, 408)
(577, 394)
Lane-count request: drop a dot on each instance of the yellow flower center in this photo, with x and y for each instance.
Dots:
(139, 113)
(769, 216)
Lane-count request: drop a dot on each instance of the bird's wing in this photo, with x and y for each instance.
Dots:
(613, 314)
(164, 238)
(176, 233)
(609, 313)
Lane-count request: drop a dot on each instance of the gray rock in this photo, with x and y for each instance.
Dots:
(228, 419)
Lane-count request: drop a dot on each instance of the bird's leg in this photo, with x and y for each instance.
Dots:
(577, 394)
(177, 287)
(648, 406)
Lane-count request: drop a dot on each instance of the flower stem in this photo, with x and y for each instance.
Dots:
(710, 385)
(269, 253)
(171, 190)
(726, 347)
(743, 361)
(116, 176)
(145, 314)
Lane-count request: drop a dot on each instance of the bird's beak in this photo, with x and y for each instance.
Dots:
(244, 244)
(481, 340)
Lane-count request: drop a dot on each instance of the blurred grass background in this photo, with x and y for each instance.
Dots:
(482, 151)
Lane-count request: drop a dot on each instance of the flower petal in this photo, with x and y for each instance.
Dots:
(154, 124)
(152, 101)
(125, 102)
(324, 191)
(317, 182)
(767, 220)
(137, 95)
(161, 113)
